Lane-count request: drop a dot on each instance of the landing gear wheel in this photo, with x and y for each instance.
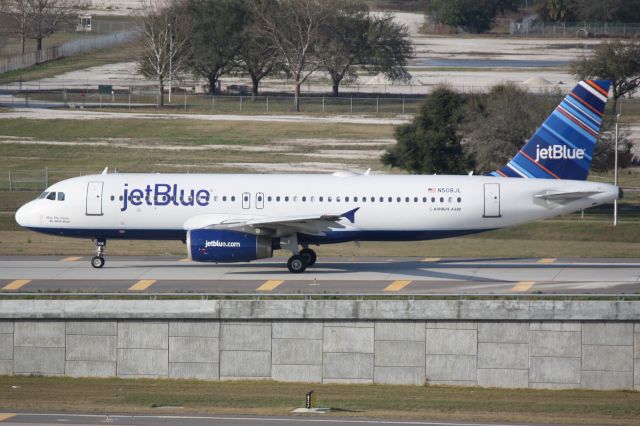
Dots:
(309, 255)
(297, 264)
(97, 262)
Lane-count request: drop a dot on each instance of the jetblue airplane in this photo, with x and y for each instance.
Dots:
(243, 217)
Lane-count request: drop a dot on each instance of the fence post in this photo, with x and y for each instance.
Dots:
(46, 177)
(403, 105)
(185, 101)
(129, 99)
(323, 104)
(101, 100)
(267, 104)
(213, 104)
(10, 183)
(351, 105)
(377, 105)
(240, 103)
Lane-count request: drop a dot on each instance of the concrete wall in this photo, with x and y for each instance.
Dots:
(343, 347)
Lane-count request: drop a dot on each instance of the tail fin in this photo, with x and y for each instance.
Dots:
(562, 147)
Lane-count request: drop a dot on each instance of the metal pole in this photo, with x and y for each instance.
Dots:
(351, 105)
(10, 183)
(267, 104)
(323, 104)
(46, 177)
(213, 103)
(615, 173)
(377, 105)
(240, 103)
(185, 101)
(170, 62)
(403, 105)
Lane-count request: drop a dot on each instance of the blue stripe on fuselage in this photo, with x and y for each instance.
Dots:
(331, 237)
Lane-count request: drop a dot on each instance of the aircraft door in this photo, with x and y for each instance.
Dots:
(259, 200)
(94, 198)
(491, 200)
(246, 200)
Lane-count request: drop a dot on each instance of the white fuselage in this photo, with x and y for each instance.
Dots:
(391, 207)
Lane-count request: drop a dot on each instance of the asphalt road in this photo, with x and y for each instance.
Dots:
(411, 276)
(174, 420)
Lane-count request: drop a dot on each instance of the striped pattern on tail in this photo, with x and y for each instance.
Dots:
(563, 146)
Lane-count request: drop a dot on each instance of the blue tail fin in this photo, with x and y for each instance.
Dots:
(562, 147)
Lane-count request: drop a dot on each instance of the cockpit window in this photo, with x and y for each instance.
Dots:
(51, 196)
(43, 195)
(60, 196)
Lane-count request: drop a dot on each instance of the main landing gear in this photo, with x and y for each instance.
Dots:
(298, 263)
(97, 261)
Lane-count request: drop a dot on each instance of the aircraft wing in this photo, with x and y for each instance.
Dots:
(313, 224)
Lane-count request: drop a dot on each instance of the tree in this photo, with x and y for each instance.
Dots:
(294, 28)
(557, 10)
(617, 61)
(164, 44)
(44, 17)
(18, 14)
(376, 44)
(608, 10)
(431, 142)
(216, 36)
(498, 123)
(475, 16)
(257, 55)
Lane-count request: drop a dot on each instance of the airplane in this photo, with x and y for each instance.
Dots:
(243, 217)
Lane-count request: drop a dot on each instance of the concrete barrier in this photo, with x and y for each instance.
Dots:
(497, 343)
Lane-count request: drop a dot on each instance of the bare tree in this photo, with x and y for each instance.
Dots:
(163, 51)
(46, 17)
(294, 27)
(17, 12)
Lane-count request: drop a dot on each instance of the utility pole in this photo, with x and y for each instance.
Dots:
(615, 173)
(170, 61)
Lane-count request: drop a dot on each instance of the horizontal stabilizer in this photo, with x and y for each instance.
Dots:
(566, 196)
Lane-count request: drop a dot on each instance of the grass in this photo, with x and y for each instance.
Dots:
(272, 398)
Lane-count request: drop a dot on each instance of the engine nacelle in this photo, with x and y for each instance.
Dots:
(213, 245)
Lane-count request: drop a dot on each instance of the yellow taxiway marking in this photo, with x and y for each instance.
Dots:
(186, 259)
(142, 285)
(397, 285)
(71, 259)
(547, 260)
(6, 416)
(431, 259)
(270, 285)
(523, 286)
(16, 284)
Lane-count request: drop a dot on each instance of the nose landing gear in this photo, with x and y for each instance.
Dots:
(97, 261)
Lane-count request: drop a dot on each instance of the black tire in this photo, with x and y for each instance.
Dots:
(297, 264)
(309, 255)
(97, 261)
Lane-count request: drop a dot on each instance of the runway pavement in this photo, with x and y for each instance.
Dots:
(367, 275)
(23, 419)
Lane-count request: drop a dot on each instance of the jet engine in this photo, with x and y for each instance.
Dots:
(213, 245)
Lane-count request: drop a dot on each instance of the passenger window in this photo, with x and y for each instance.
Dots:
(278, 198)
(286, 198)
(424, 199)
(269, 198)
(224, 198)
(215, 198)
(312, 198)
(415, 199)
(295, 198)
(373, 199)
(51, 196)
(450, 199)
(329, 199)
(433, 199)
(233, 198)
(43, 195)
(338, 199)
(442, 199)
(459, 199)
(406, 199)
(355, 199)
(304, 199)
(321, 199)
(113, 198)
(390, 199)
(399, 199)
(246, 198)
(346, 199)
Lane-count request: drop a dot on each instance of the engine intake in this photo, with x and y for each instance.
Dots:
(213, 245)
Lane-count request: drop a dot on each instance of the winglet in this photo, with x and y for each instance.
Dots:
(104, 172)
(351, 215)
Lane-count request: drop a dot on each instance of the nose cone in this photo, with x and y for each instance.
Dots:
(23, 215)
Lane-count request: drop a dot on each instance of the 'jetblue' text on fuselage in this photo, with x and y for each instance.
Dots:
(162, 194)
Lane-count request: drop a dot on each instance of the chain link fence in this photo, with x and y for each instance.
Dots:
(69, 48)
(207, 104)
(573, 29)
